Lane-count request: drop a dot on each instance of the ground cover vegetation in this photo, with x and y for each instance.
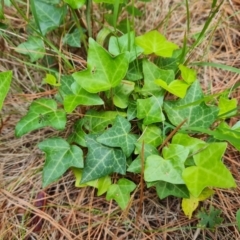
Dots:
(119, 115)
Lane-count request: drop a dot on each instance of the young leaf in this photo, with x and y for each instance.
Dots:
(175, 152)
(102, 184)
(165, 189)
(227, 107)
(157, 168)
(209, 170)
(151, 73)
(125, 43)
(154, 42)
(209, 219)
(5, 81)
(60, 156)
(48, 16)
(188, 75)
(51, 79)
(80, 97)
(75, 4)
(101, 160)
(33, 47)
(150, 109)
(119, 136)
(42, 112)
(189, 205)
(196, 115)
(122, 92)
(176, 87)
(120, 192)
(103, 72)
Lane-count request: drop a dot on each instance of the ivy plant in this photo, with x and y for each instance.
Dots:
(137, 115)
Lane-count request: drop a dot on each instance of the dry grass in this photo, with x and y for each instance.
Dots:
(73, 213)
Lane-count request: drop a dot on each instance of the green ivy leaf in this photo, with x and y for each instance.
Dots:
(196, 115)
(51, 79)
(33, 47)
(73, 39)
(154, 42)
(175, 152)
(102, 184)
(151, 73)
(80, 97)
(125, 43)
(150, 109)
(103, 72)
(119, 136)
(65, 87)
(5, 82)
(42, 112)
(209, 170)
(75, 4)
(152, 134)
(60, 156)
(159, 169)
(120, 192)
(165, 189)
(122, 92)
(149, 150)
(132, 110)
(101, 160)
(134, 72)
(188, 75)
(48, 16)
(176, 87)
(227, 107)
(97, 121)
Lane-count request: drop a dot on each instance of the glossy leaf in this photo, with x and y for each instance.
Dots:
(42, 112)
(75, 4)
(102, 184)
(125, 43)
(132, 110)
(209, 170)
(227, 107)
(159, 169)
(5, 82)
(121, 93)
(188, 75)
(51, 79)
(103, 71)
(80, 97)
(60, 156)
(101, 160)
(154, 42)
(118, 136)
(150, 109)
(196, 115)
(189, 205)
(33, 47)
(120, 192)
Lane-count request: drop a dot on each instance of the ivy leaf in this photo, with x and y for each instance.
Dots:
(154, 42)
(159, 169)
(97, 121)
(65, 87)
(33, 47)
(119, 136)
(176, 87)
(101, 160)
(102, 184)
(80, 97)
(60, 156)
(209, 219)
(73, 39)
(189, 205)
(125, 43)
(196, 115)
(42, 112)
(209, 170)
(150, 109)
(149, 150)
(165, 189)
(120, 192)
(132, 110)
(188, 75)
(134, 72)
(152, 134)
(103, 72)
(51, 79)
(75, 4)
(122, 92)
(5, 82)
(227, 107)
(48, 16)
(151, 73)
